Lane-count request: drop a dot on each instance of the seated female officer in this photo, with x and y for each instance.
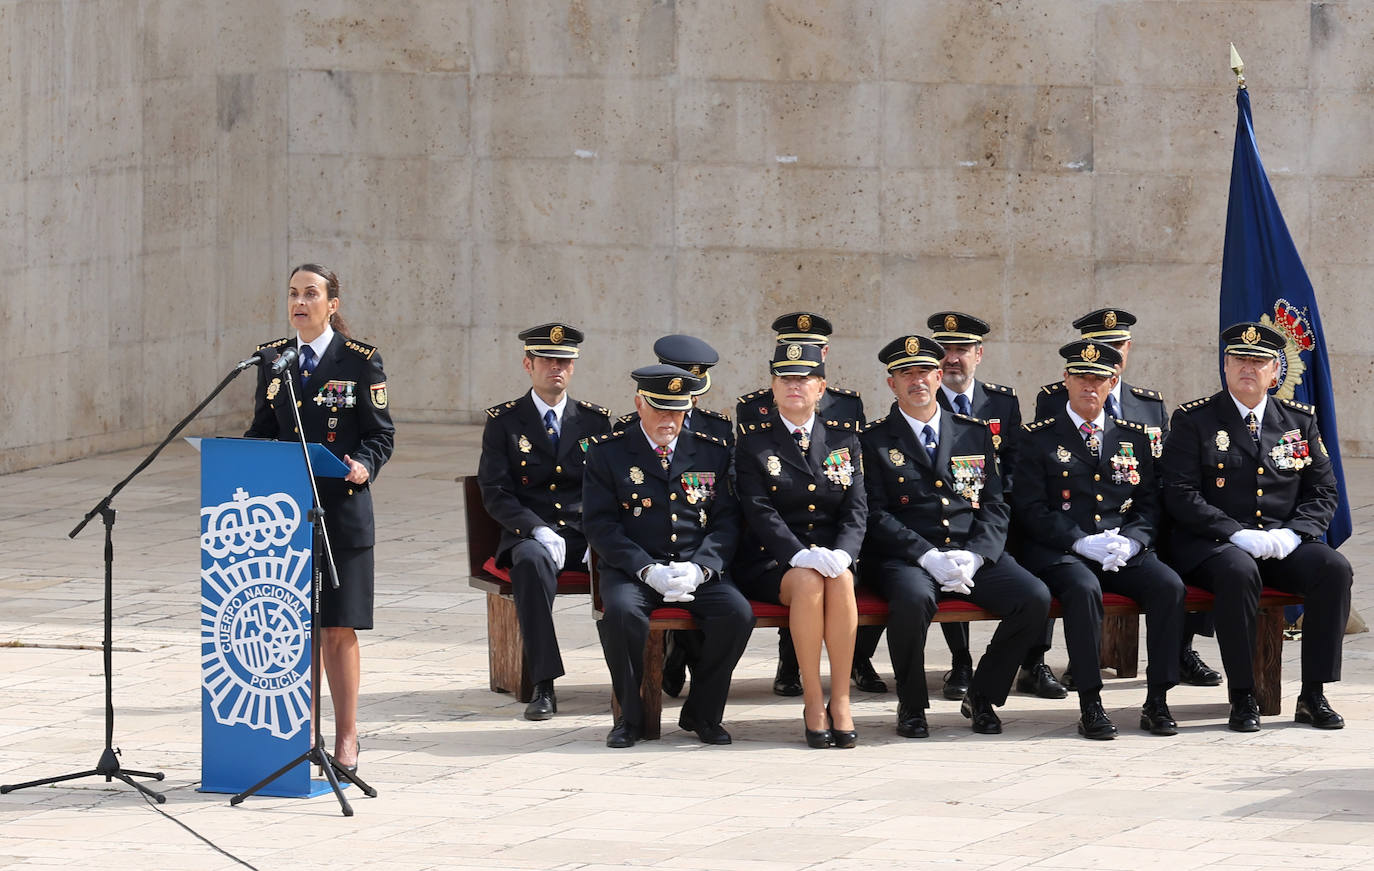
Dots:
(800, 484)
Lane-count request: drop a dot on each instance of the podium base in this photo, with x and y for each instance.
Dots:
(317, 788)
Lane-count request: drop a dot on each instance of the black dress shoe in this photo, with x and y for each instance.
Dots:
(1245, 716)
(1040, 681)
(622, 735)
(1316, 711)
(674, 668)
(845, 739)
(819, 739)
(1093, 723)
(1156, 719)
(957, 679)
(979, 710)
(707, 733)
(544, 704)
(1192, 670)
(787, 682)
(911, 723)
(866, 678)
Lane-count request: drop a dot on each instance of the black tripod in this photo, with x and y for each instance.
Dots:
(108, 766)
(316, 755)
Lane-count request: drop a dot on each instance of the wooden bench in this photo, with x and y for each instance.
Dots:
(505, 646)
(1120, 637)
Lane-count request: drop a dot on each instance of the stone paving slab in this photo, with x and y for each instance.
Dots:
(465, 783)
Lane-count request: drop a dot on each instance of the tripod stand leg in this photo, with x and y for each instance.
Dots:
(11, 787)
(108, 768)
(328, 764)
(157, 796)
(238, 799)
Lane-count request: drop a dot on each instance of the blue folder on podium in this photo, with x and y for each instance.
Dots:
(256, 573)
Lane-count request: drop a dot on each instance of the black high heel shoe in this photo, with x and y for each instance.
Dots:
(818, 739)
(845, 739)
(353, 769)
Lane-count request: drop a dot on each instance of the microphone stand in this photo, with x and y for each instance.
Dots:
(108, 766)
(317, 755)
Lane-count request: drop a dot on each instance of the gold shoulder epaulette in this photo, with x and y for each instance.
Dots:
(850, 425)
(999, 388)
(750, 397)
(875, 422)
(758, 426)
(968, 417)
(605, 437)
(1195, 404)
(362, 349)
(1051, 389)
(1129, 424)
(708, 438)
(276, 344)
(502, 408)
(1147, 393)
(627, 418)
(715, 414)
(1037, 424)
(1299, 406)
(593, 407)
(843, 391)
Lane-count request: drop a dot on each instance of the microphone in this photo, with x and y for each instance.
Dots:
(259, 356)
(283, 362)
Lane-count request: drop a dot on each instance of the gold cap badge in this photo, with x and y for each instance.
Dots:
(556, 335)
(696, 369)
(951, 323)
(1091, 354)
(912, 344)
(803, 324)
(1109, 320)
(1250, 336)
(675, 386)
(794, 352)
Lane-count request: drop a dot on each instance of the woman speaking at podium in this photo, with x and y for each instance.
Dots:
(343, 405)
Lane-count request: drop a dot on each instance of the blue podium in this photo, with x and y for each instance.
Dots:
(256, 573)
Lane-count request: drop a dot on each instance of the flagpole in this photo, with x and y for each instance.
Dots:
(1238, 67)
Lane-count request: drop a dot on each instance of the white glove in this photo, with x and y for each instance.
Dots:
(958, 586)
(1120, 550)
(1093, 547)
(1287, 541)
(587, 557)
(1255, 542)
(557, 547)
(807, 558)
(679, 590)
(688, 575)
(660, 578)
(941, 566)
(832, 562)
(969, 563)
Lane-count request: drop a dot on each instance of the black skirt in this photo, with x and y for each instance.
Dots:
(351, 604)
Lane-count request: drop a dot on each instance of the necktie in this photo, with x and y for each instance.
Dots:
(962, 406)
(1089, 430)
(803, 440)
(1252, 423)
(307, 363)
(551, 427)
(665, 456)
(1113, 406)
(928, 439)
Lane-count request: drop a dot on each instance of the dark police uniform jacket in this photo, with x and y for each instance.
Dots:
(1216, 482)
(998, 406)
(712, 423)
(636, 514)
(836, 404)
(914, 504)
(789, 500)
(525, 482)
(1140, 404)
(344, 407)
(1063, 492)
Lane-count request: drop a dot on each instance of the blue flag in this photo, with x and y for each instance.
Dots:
(1263, 279)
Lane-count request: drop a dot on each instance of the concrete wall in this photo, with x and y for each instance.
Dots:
(640, 167)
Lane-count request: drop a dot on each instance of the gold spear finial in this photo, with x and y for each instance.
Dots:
(1237, 67)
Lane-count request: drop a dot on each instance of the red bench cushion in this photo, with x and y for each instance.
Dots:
(501, 574)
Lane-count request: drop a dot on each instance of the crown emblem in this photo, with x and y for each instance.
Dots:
(675, 385)
(804, 322)
(912, 345)
(794, 352)
(556, 335)
(1109, 320)
(1091, 353)
(951, 323)
(1296, 327)
(1250, 336)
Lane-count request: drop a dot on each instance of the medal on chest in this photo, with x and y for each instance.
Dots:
(524, 444)
(1125, 465)
(1062, 454)
(895, 456)
(995, 427)
(970, 476)
(1291, 453)
(774, 466)
(1156, 440)
(1223, 440)
(636, 475)
(699, 486)
(336, 395)
(837, 467)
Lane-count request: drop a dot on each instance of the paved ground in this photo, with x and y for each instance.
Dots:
(466, 783)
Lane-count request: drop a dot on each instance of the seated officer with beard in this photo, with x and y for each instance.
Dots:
(937, 527)
(1251, 491)
(659, 510)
